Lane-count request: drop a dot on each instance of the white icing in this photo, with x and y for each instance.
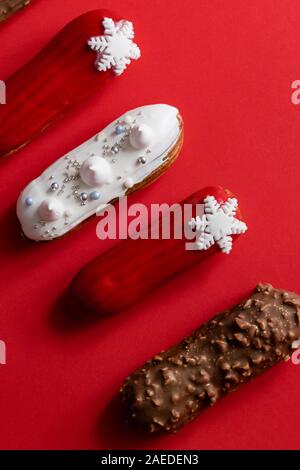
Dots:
(217, 224)
(67, 213)
(128, 119)
(95, 171)
(141, 136)
(125, 172)
(296, 344)
(115, 47)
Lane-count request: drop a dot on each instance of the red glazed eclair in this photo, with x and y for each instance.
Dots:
(76, 63)
(9, 7)
(235, 346)
(134, 268)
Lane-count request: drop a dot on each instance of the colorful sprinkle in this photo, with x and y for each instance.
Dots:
(94, 195)
(119, 129)
(29, 201)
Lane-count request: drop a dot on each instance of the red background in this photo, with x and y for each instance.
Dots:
(228, 67)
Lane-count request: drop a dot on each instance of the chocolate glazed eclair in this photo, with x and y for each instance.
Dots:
(234, 347)
(9, 7)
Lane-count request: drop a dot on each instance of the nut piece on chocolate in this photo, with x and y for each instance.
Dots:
(234, 347)
(8, 7)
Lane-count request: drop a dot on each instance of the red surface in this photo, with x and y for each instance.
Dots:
(228, 66)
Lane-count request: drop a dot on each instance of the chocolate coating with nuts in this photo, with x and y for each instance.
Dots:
(232, 348)
(8, 7)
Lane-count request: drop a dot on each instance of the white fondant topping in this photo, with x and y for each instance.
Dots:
(115, 47)
(141, 136)
(217, 224)
(67, 213)
(124, 172)
(296, 344)
(128, 183)
(95, 171)
(50, 210)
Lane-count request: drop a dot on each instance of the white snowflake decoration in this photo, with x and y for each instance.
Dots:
(217, 224)
(115, 48)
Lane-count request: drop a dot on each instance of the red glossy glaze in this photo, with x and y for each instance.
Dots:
(134, 268)
(61, 75)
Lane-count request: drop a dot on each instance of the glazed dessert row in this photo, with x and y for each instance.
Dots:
(135, 149)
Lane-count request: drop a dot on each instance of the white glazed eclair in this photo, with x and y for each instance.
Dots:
(125, 156)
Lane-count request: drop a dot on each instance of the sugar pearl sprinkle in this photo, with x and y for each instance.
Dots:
(54, 186)
(115, 149)
(29, 201)
(94, 196)
(120, 129)
(83, 197)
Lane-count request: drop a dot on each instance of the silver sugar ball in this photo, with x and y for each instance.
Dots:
(115, 148)
(83, 196)
(54, 186)
(29, 201)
